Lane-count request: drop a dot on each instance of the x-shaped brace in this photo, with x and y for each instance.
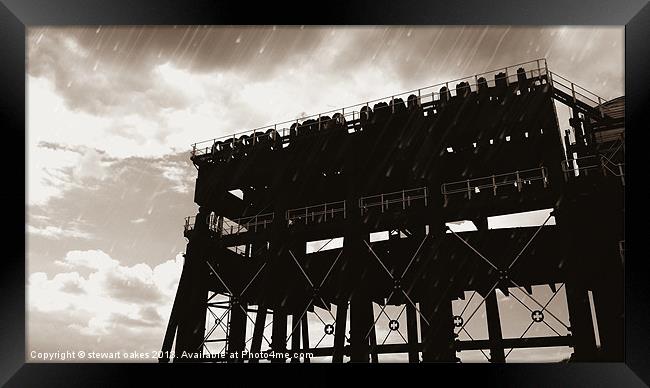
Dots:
(503, 275)
(315, 293)
(218, 322)
(236, 298)
(397, 286)
(535, 314)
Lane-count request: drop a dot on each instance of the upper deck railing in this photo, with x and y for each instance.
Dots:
(190, 223)
(404, 197)
(254, 223)
(515, 178)
(593, 164)
(316, 213)
(577, 92)
(535, 71)
(225, 226)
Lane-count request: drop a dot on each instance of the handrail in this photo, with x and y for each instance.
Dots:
(578, 164)
(314, 211)
(541, 68)
(598, 100)
(244, 224)
(590, 162)
(497, 180)
(607, 162)
(404, 197)
(236, 226)
(190, 221)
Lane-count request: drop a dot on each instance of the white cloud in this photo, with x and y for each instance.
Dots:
(122, 135)
(94, 259)
(53, 166)
(177, 174)
(90, 165)
(57, 233)
(45, 176)
(110, 301)
(220, 104)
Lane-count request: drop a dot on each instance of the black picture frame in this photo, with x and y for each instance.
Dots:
(17, 15)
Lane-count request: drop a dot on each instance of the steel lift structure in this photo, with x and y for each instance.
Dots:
(485, 145)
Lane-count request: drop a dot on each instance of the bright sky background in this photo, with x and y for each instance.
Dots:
(112, 112)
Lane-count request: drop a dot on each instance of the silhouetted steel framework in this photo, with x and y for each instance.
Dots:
(490, 146)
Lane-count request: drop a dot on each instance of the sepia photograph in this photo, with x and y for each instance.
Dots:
(325, 194)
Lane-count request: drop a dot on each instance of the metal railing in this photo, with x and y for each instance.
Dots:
(254, 224)
(577, 92)
(516, 178)
(384, 200)
(190, 222)
(225, 226)
(574, 167)
(316, 213)
(593, 164)
(536, 72)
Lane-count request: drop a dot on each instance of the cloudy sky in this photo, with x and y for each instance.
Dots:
(112, 112)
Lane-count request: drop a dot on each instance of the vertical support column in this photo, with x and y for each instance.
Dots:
(611, 325)
(360, 324)
(437, 338)
(258, 331)
(494, 328)
(191, 327)
(607, 284)
(193, 308)
(279, 336)
(356, 261)
(237, 331)
(584, 239)
(172, 325)
(581, 324)
(374, 356)
(339, 331)
(305, 336)
(412, 333)
(295, 338)
(436, 319)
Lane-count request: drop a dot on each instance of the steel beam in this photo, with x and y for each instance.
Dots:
(258, 331)
(412, 333)
(237, 329)
(497, 353)
(279, 336)
(517, 343)
(339, 331)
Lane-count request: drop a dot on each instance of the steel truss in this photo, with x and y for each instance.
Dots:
(537, 316)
